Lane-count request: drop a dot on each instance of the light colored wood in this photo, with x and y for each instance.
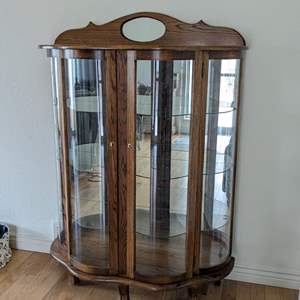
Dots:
(36, 276)
(275, 293)
(229, 290)
(243, 291)
(10, 273)
(258, 292)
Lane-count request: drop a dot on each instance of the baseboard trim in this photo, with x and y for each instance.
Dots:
(267, 276)
(30, 243)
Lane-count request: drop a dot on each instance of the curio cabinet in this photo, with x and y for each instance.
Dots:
(146, 113)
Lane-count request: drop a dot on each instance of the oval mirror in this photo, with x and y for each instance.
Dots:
(143, 29)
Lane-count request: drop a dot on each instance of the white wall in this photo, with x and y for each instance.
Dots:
(267, 228)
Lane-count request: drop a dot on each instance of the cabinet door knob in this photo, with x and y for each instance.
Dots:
(111, 144)
(130, 146)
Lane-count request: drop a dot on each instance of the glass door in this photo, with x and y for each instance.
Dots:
(86, 115)
(219, 161)
(87, 151)
(162, 122)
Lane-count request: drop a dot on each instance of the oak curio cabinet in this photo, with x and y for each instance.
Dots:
(146, 151)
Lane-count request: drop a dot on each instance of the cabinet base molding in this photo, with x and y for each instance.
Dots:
(197, 284)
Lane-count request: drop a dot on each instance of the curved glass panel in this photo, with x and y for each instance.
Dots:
(222, 93)
(163, 108)
(55, 71)
(87, 142)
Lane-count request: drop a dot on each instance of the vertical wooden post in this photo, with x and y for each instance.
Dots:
(196, 158)
(126, 160)
(110, 106)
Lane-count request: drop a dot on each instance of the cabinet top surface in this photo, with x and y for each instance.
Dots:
(178, 35)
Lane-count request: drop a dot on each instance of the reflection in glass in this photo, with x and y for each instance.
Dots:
(86, 159)
(219, 161)
(55, 70)
(163, 105)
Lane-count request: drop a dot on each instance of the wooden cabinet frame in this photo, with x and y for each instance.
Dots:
(198, 42)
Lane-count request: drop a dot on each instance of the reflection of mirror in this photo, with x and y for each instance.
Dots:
(143, 29)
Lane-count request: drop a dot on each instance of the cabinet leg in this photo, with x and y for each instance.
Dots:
(194, 292)
(124, 292)
(74, 280)
(217, 283)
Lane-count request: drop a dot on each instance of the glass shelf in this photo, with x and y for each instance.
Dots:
(225, 111)
(180, 166)
(223, 163)
(143, 107)
(90, 104)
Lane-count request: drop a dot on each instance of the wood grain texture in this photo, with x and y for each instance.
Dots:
(110, 93)
(160, 262)
(50, 281)
(126, 158)
(178, 35)
(156, 284)
(126, 251)
(196, 162)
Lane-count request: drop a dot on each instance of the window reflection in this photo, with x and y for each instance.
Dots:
(219, 161)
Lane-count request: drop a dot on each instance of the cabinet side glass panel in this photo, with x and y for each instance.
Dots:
(87, 163)
(219, 160)
(55, 71)
(163, 109)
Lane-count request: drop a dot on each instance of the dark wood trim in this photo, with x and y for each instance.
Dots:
(178, 35)
(131, 158)
(90, 269)
(194, 155)
(224, 54)
(160, 279)
(164, 55)
(126, 158)
(211, 275)
(111, 125)
(196, 162)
